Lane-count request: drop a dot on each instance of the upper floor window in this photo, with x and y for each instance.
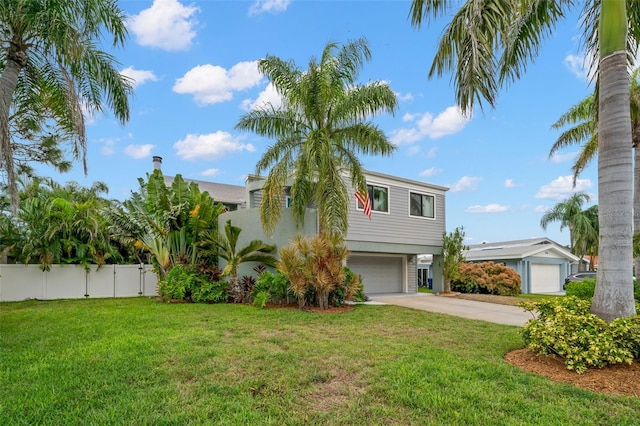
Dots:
(379, 196)
(421, 205)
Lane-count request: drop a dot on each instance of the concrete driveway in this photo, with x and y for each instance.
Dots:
(491, 312)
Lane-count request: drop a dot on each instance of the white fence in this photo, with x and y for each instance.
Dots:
(21, 282)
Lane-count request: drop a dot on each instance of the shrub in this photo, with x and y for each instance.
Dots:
(586, 288)
(188, 284)
(566, 328)
(210, 292)
(177, 284)
(487, 278)
(274, 285)
(581, 289)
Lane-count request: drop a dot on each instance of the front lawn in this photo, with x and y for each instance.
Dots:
(138, 361)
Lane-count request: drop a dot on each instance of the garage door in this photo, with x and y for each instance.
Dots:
(379, 274)
(545, 278)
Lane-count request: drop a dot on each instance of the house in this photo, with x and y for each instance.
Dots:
(231, 196)
(408, 219)
(541, 262)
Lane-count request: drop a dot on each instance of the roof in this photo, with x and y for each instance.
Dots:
(221, 192)
(517, 249)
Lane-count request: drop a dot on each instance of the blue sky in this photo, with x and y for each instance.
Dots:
(194, 63)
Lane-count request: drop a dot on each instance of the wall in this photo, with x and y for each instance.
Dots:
(21, 282)
(398, 226)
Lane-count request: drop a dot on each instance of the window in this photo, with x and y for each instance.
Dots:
(379, 197)
(421, 205)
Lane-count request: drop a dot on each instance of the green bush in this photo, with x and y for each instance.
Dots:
(275, 285)
(581, 289)
(566, 328)
(586, 288)
(186, 284)
(487, 278)
(210, 291)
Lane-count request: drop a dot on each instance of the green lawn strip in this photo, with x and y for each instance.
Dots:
(138, 361)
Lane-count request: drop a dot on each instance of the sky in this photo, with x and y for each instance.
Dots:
(195, 69)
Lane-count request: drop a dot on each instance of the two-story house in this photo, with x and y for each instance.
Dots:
(408, 219)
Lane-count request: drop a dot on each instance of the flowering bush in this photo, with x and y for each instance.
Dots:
(566, 328)
(487, 278)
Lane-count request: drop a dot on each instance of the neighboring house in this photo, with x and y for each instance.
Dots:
(542, 263)
(231, 196)
(408, 219)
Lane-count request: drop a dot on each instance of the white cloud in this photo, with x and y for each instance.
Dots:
(489, 208)
(108, 145)
(268, 95)
(138, 76)
(210, 146)
(167, 25)
(210, 172)
(562, 187)
(409, 117)
(139, 151)
(561, 158)
(509, 183)
(404, 97)
(413, 150)
(271, 6)
(211, 84)
(466, 183)
(579, 65)
(448, 122)
(432, 152)
(430, 172)
(540, 208)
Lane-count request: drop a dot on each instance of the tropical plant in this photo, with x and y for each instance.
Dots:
(314, 264)
(487, 44)
(584, 118)
(61, 224)
(272, 287)
(174, 221)
(227, 248)
(319, 130)
(51, 63)
(452, 256)
(582, 224)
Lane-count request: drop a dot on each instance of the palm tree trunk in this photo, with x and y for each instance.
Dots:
(15, 61)
(613, 296)
(636, 200)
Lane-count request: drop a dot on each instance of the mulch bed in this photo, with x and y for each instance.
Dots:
(619, 379)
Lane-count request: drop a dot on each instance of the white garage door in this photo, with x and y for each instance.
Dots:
(380, 274)
(545, 278)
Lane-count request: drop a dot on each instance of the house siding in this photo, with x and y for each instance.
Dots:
(397, 226)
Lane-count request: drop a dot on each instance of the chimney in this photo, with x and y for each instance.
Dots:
(157, 162)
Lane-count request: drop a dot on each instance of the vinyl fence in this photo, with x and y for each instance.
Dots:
(22, 282)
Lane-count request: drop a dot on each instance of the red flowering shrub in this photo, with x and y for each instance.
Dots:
(487, 278)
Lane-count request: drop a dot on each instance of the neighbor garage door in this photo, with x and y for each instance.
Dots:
(380, 274)
(545, 278)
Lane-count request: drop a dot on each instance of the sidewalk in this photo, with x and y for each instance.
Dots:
(491, 312)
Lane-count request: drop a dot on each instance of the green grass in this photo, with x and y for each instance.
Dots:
(138, 361)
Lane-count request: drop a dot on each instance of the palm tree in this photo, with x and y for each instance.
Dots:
(584, 117)
(319, 130)
(488, 44)
(580, 222)
(227, 248)
(50, 60)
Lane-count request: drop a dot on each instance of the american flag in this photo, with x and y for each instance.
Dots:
(363, 197)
